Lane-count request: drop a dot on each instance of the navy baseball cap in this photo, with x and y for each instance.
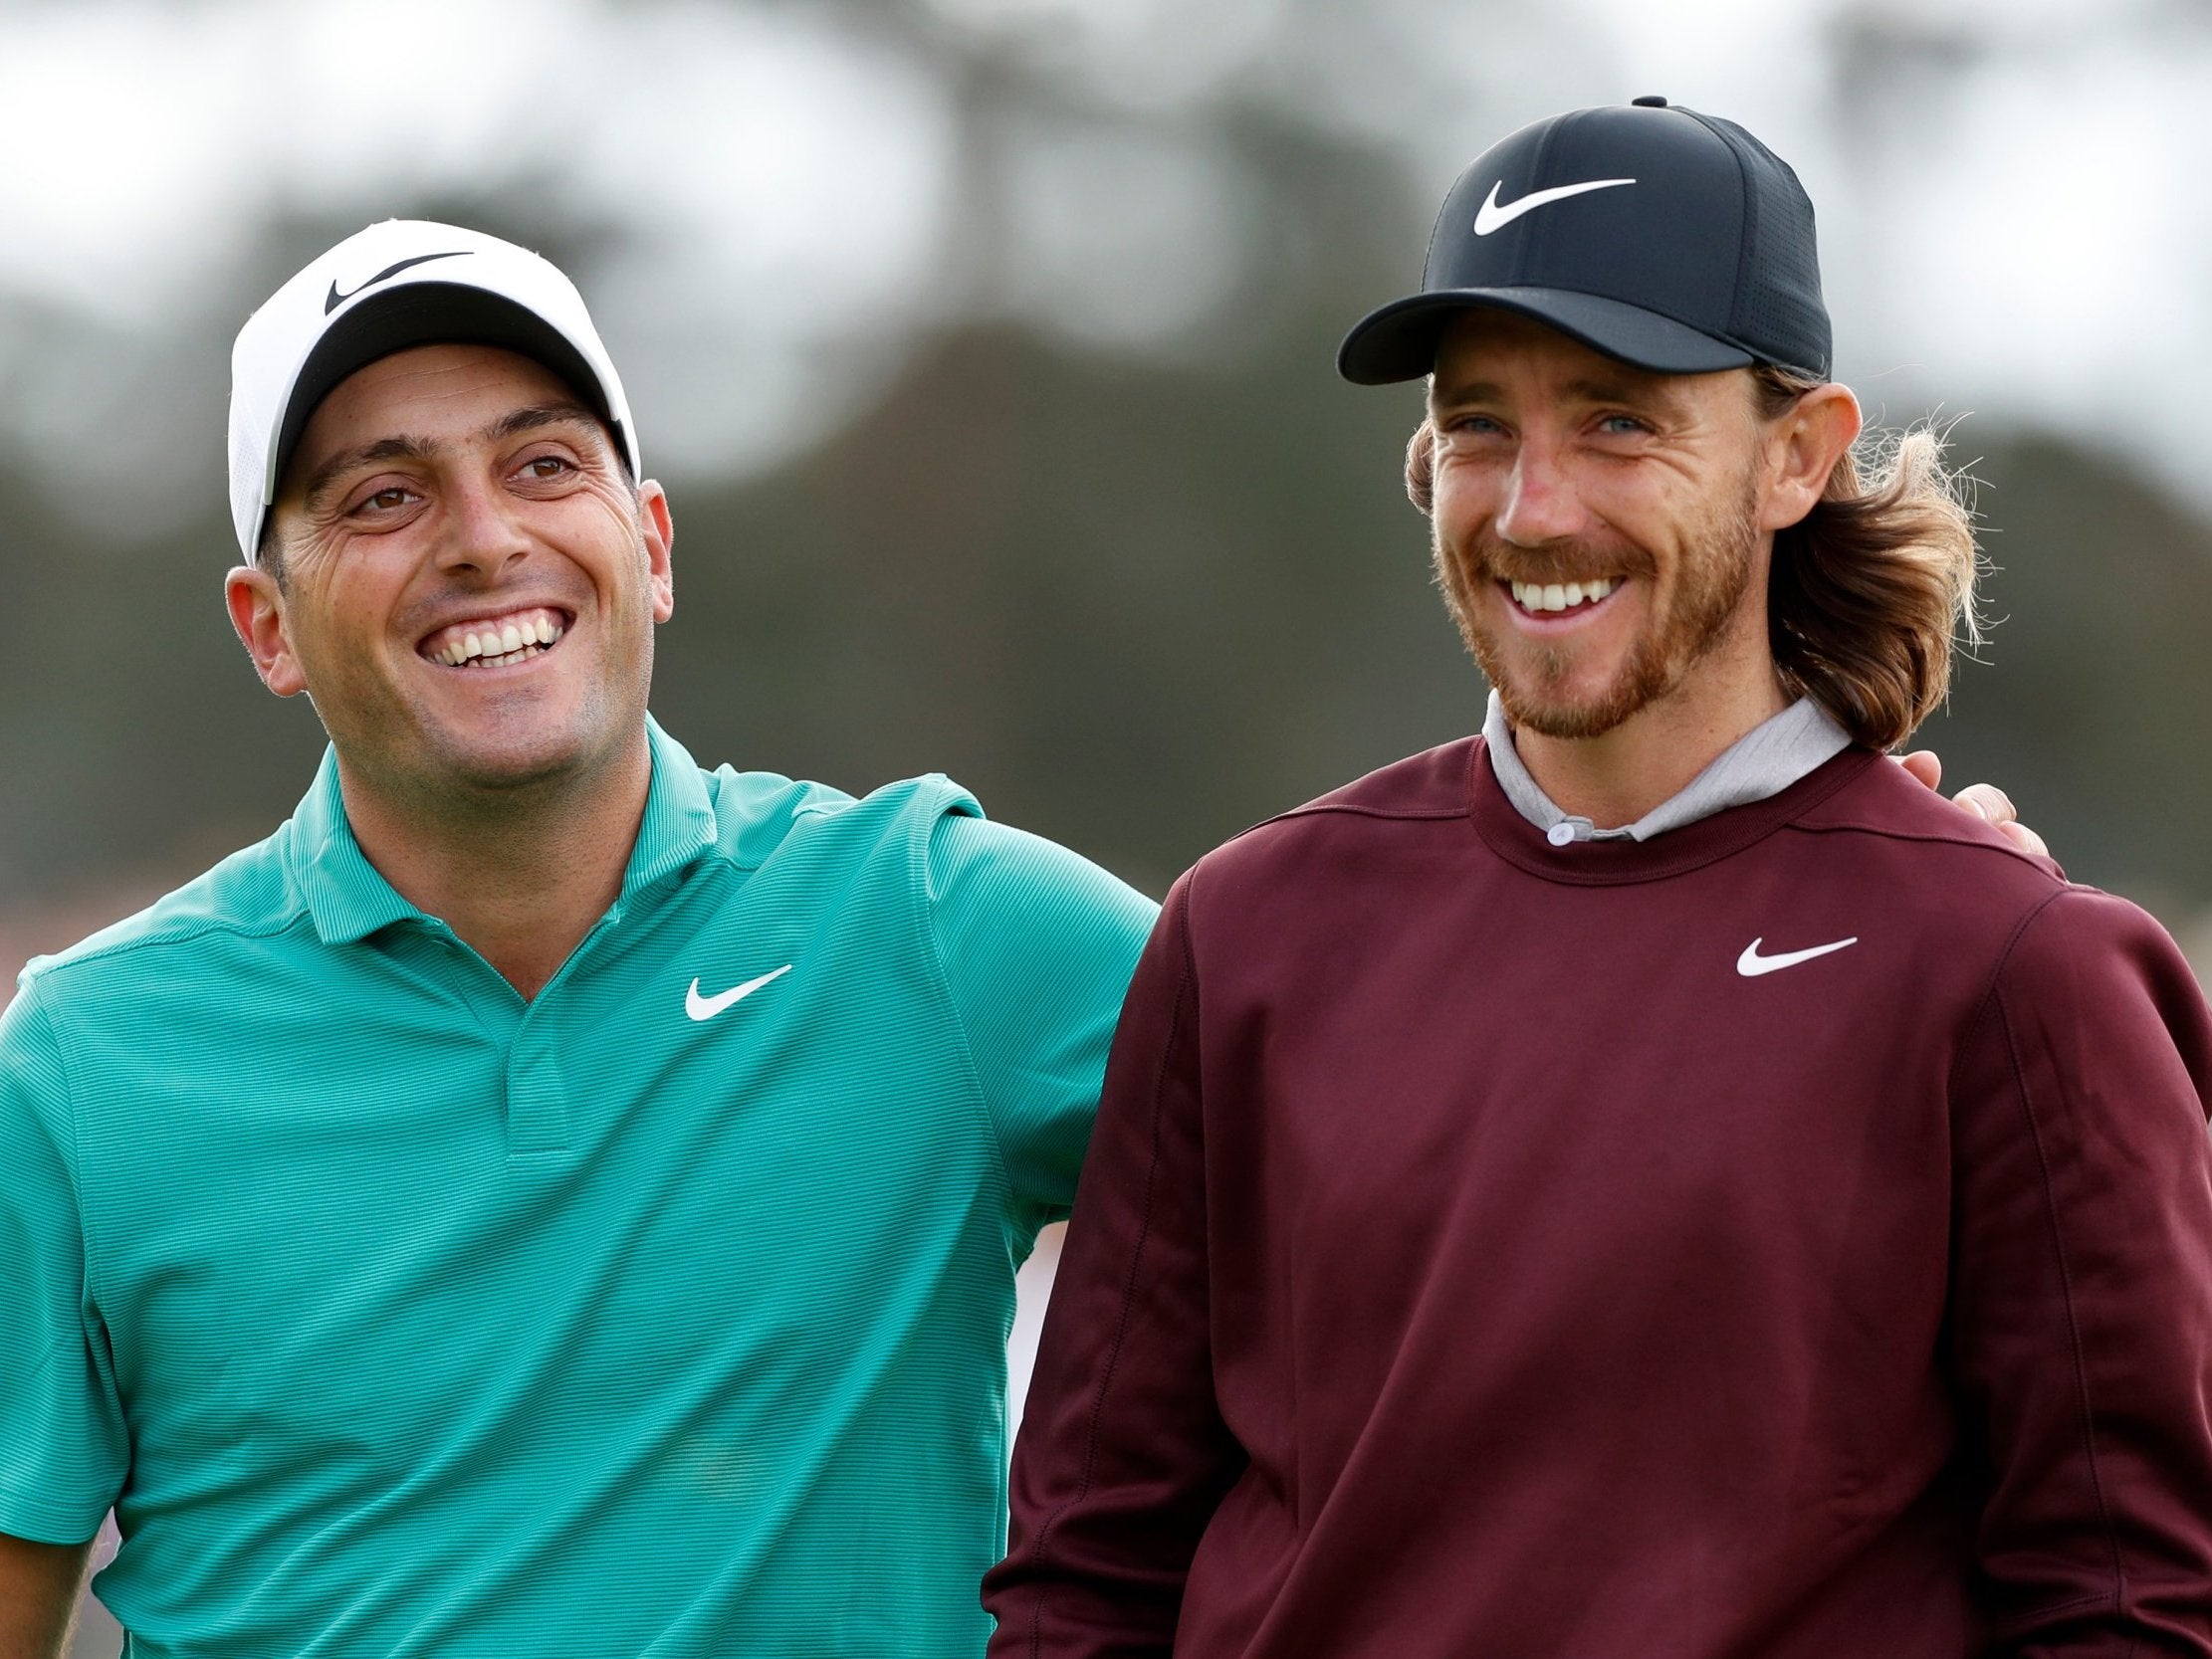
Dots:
(1668, 239)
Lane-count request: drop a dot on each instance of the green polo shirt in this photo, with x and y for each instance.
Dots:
(394, 1314)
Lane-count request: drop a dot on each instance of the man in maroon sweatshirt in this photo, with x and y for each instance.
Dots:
(1651, 1179)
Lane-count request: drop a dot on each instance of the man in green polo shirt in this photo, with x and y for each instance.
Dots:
(547, 1198)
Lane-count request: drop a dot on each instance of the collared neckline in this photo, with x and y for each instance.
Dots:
(1500, 825)
(1762, 763)
(348, 899)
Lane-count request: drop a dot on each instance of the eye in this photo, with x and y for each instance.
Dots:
(545, 467)
(1622, 426)
(390, 498)
(1475, 426)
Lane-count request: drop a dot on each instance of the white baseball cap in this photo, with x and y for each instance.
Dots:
(401, 284)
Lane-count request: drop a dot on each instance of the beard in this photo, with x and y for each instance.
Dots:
(1532, 678)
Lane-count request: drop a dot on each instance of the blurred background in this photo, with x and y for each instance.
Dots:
(986, 347)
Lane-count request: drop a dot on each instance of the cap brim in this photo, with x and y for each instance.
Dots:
(1397, 342)
(428, 314)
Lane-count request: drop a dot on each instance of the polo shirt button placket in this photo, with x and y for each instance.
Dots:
(536, 1084)
(537, 1096)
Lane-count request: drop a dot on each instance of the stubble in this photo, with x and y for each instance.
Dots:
(1531, 680)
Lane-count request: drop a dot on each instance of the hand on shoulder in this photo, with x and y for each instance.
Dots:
(1984, 801)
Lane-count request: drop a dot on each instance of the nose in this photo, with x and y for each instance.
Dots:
(484, 535)
(1541, 504)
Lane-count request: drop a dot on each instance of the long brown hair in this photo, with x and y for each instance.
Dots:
(1870, 591)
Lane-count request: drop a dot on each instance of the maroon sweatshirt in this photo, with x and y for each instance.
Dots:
(1789, 1236)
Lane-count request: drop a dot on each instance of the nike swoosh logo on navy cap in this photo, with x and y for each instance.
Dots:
(1491, 217)
(337, 299)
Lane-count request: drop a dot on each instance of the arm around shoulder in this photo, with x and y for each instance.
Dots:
(1038, 945)
(2082, 1285)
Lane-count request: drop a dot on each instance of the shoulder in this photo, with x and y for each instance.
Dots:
(186, 958)
(921, 840)
(1430, 784)
(766, 818)
(248, 895)
(2095, 1015)
(2078, 936)
(975, 864)
(1915, 836)
(2011, 922)
(1406, 801)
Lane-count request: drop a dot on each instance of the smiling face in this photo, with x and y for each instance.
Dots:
(1600, 532)
(470, 583)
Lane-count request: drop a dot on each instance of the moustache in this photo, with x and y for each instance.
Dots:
(1558, 562)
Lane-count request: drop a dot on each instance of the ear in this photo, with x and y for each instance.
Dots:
(1803, 447)
(257, 612)
(1420, 467)
(659, 529)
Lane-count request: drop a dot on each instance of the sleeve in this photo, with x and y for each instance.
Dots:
(2082, 1294)
(62, 1441)
(1036, 944)
(1123, 1456)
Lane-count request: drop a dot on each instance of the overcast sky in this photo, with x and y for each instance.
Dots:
(2009, 194)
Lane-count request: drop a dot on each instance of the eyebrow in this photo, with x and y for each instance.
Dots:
(541, 414)
(383, 449)
(407, 447)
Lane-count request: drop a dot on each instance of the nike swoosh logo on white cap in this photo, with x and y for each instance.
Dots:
(1493, 217)
(337, 299)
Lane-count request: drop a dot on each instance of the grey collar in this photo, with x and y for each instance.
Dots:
(1764, 762)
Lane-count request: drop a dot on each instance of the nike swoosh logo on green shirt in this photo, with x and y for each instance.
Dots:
(706, 1007)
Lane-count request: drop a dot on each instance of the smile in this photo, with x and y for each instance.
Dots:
(496, 641)
(1552, 598)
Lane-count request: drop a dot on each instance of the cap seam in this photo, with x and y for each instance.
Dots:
(1749, 232)
(1436, 231)
(1537, 235)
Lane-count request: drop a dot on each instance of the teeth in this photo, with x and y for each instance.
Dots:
(497, 644)
(1555, 596)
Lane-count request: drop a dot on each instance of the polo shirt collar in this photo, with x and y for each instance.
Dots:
(679, 827)
(347, 898)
